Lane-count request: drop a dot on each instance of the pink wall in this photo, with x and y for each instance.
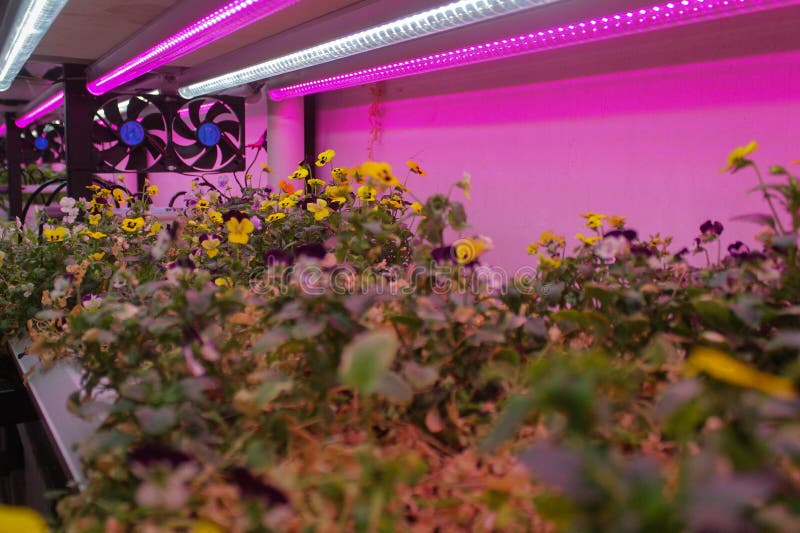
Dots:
(645, 143)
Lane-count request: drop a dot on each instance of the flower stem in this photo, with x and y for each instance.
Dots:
(768, 198)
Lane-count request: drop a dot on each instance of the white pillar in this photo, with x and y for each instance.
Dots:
(285, 137)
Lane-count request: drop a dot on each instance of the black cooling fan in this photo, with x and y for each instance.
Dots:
(43, 144)
(129, 134)
(208, 135)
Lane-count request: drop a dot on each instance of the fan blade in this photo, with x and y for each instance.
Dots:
(207, 160)
(216, 110)
(111, 111)
(231, 127)
(103, 133)
(154, 122)
(188, 152)
(155, 146)
(194, 112)
(135, 106)
(114, 155)
(138, 159)
(183, 130)
(227, 152)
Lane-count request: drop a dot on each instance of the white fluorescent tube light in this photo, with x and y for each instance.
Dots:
(449, 16)
(32, 20)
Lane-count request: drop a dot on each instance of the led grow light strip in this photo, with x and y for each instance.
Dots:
(449, 16)
(45, 108)
(33, 19)
(217, 24)
(655, 17)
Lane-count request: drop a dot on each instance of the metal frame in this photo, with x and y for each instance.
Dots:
(14, 160)
(78, 113)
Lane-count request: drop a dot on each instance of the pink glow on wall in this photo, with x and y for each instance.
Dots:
(647, 144)
(648, 18)
(3, 129)
(217, 24)
(43, 109)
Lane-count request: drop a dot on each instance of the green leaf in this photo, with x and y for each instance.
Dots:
(509, 422)
(366, 360)
(714, 313)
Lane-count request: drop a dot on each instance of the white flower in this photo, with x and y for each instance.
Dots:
(612, 248)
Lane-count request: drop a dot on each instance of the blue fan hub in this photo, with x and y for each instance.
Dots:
(132, 133)
(41, 143)
(208, 134)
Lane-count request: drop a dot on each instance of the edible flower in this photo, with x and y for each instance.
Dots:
(299, 174)
(367, 193)
(737, 159)
(239, 230)
(320, 209)
(593, 220)
(589, 241)
(133, 224)
(286, 187)
(325, 157)
(415, 168)
(274, 217)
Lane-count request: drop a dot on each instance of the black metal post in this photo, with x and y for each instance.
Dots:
(14, 160)
(78, 111)
(310, 126)
(141, 179)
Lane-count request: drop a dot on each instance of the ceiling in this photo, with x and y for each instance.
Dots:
(86, 30)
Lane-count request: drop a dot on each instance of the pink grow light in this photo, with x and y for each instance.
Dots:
(3, 129)
(45, 108)
(655, 17)
(227, 19)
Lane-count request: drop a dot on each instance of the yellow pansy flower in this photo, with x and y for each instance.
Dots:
(392, 202)
(274, 217)
(367, 193)
(239, 230)
(94, 219)
(417, 208)
(211, 246)
(316, 183)
(202, 204)
(224, 282)
(533, 248)
(204, 526)
(152, 190)
(550, 237)
(724, 367)
(415, 168)
(299, 174)
(320, 209)
(154, 229)
(325, 157)
(96, 235)
(215, 216)
(381, 172)
(468, 250)
(97, 256)
(288, 202)
(21, 520)
(132, 224)
(266, 205)
(339, 175)
(56, 234)
(587, 240)
(594, 220)
(119, 196)
(547, 262)
(738, 157)
(338, 193)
